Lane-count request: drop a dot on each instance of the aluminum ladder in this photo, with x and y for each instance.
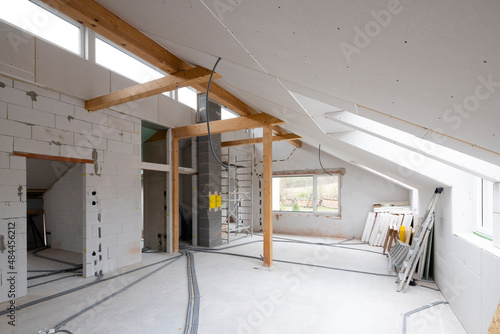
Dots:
(404, 258)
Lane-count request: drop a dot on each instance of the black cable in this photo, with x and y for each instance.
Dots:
(208, 118)
(55, 272)
(57, 279)
(97, 281)
(319, 157)
(85, 310)
(193, 310)
(301, 264)
(35, 253)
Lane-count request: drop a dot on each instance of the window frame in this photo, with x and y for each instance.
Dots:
(50, 10)
(315, 176)
(484, 209)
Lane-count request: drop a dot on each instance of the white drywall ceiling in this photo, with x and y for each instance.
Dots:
(411, 71)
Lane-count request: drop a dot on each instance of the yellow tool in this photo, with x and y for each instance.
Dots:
(402, 234)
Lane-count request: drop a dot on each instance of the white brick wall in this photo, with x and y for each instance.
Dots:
(3, 110)
(4, 160)
(54, 106)
(6, 143)
(120, 147)
(72, 124)
(35, 146)
(40, 91)
(56, 89)
(92, 117)
(15, 129)
(29, 116)
(58, 125)
(43, 133)
(15, 96)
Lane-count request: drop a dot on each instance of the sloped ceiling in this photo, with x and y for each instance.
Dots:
(42, 174)
(420, 66)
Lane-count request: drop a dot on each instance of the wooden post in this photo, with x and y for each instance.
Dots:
(267, 195)
(175, 195)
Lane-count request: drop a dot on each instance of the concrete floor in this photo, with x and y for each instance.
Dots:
(239, 296)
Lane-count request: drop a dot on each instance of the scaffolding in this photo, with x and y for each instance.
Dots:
(237, 190)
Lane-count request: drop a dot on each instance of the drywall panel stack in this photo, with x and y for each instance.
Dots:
(378, 225)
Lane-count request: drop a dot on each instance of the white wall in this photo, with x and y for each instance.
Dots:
(467, 273)
(58, 125)
(359, 191)
(64, 216)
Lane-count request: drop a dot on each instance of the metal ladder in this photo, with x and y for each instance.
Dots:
(404, 258)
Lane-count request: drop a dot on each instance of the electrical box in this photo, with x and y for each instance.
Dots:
(212, 203)
(219, 201)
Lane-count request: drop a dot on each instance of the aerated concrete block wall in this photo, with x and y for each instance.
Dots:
(209, 181)
(94, 209)
(57, 124)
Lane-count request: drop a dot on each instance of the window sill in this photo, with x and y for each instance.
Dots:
(480, 242)
(331, 215)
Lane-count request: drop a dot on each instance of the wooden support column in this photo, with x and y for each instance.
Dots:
(267, 195)
(175, 195)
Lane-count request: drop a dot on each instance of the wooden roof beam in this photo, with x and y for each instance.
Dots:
(228, 125)
(107, 24)
(151, 88)
(260, 140)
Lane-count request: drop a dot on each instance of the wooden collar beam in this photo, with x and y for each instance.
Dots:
(96, 17)
(252, 141)
(151, 88)
(228, 125)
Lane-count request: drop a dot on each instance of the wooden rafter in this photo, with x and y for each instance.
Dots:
(228, 125)
(252, 141)
(104, 22)
(227, 99)
(151, 88)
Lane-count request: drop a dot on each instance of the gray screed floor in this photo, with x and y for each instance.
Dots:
(239, 295)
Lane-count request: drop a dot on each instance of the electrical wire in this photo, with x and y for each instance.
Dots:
(299, 263)
(193, 311)
(97, 281)
(319, 158)
(208, 118)
(85, 310)
(55, 272)
(35, 253)
(57, 279)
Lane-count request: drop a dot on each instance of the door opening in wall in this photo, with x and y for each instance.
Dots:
(155, 200)
(154, 143)
(55, 203)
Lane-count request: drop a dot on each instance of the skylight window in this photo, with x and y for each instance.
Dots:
(42, 23)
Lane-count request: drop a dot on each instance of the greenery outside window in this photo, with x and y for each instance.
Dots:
(307, 193)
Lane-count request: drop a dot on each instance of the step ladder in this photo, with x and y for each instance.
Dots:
(404, 258)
